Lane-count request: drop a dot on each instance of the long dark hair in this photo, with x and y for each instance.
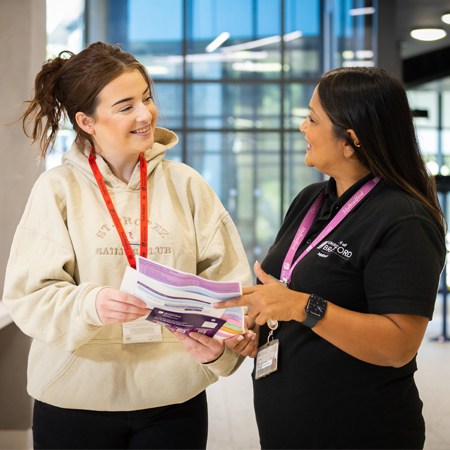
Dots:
(374, 104)
(70, 83)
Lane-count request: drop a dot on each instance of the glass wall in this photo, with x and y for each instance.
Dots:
(431, 103)
(65, 31)
(234, 79)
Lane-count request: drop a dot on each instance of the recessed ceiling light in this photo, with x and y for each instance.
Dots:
(361, 11)
(348, 54)
(446, 18)
(428, 34)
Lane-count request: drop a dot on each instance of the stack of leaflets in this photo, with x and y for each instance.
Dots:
(184, 302)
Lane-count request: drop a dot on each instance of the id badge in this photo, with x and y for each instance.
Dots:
(267, 359)
(141, 330)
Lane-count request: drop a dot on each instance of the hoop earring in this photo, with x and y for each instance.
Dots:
(357, 144)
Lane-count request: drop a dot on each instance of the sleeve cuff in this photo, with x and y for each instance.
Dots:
(89, 312)
(226, 364)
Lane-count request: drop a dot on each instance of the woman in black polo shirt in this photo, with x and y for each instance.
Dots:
(350, 283)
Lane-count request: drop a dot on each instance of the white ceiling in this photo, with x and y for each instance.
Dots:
(420, 14)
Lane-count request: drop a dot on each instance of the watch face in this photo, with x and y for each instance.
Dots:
(316, 306)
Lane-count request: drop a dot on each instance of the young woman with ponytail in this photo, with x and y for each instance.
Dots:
(359, 258)
(94, 384)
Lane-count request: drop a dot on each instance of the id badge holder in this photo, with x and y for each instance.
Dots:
(267, 357)
(141, 330)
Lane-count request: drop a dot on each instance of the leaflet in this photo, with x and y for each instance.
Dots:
(183, 302)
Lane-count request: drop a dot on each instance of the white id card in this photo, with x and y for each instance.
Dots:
(141, 330)
(267, 359)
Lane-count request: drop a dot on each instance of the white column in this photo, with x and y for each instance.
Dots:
(22, 53)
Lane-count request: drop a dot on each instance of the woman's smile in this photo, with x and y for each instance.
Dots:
(143, 131)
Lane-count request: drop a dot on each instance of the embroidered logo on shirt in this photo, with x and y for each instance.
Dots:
(132, 230)
(328, 247)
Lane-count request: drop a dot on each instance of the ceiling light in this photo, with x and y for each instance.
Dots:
(348, 54)
(361, 11)
(217, 42)
(261, 42)
(358, 63)
(291, 36)
(157, 70)
(433, 167)
(301, 112)
(248, 66)
(236, 56)
(428, 34)
(252, 44)
(446, 18)
(363, 54)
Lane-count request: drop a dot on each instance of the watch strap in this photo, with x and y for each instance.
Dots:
(310, 321)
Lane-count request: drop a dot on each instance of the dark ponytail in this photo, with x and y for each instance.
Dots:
(71, 83)
(374, 105)
(46, 110)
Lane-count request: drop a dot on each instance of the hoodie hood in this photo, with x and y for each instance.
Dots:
(78, 157)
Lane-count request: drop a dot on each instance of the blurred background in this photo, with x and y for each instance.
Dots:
(234, 79)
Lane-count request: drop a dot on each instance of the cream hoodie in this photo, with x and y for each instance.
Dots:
(66, 249)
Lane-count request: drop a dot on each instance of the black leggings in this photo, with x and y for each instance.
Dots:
(182, 426)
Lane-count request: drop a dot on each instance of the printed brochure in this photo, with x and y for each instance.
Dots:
(183, 302)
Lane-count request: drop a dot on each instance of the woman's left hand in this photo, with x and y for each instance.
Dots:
(245, 344)
(202, 348)
(269, 301)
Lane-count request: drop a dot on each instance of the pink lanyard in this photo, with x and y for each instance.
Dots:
(288, 268)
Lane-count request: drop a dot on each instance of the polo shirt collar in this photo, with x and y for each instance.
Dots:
(332, 204)
(347, 195)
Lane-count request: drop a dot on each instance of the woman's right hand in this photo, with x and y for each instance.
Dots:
(115, 306)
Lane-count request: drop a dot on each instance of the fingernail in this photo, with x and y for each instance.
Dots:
(240, 338)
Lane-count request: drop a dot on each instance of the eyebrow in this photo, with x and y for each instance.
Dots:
(127, 99)
(312, 111)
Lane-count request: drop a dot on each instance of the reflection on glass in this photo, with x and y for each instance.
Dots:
(233, 106)
(244, 171)
(446, 143)
(169, 101)
(65, 26)
(234, 39)
(302, 39)
(65, 31)
(428, 140)
(154, 39)
(446, 110)
(296, 174)
(353, 33)
(426, 101)
(176, 153)
(296, 101)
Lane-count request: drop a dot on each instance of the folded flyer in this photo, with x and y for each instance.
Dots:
(183, 302)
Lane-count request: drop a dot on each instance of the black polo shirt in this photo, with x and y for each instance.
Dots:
(385, 257)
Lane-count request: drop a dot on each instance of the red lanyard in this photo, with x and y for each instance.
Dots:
(113, 213)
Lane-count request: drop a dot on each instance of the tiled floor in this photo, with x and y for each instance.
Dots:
(232, 421)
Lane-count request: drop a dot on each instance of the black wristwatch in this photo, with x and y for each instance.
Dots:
(315, 310)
